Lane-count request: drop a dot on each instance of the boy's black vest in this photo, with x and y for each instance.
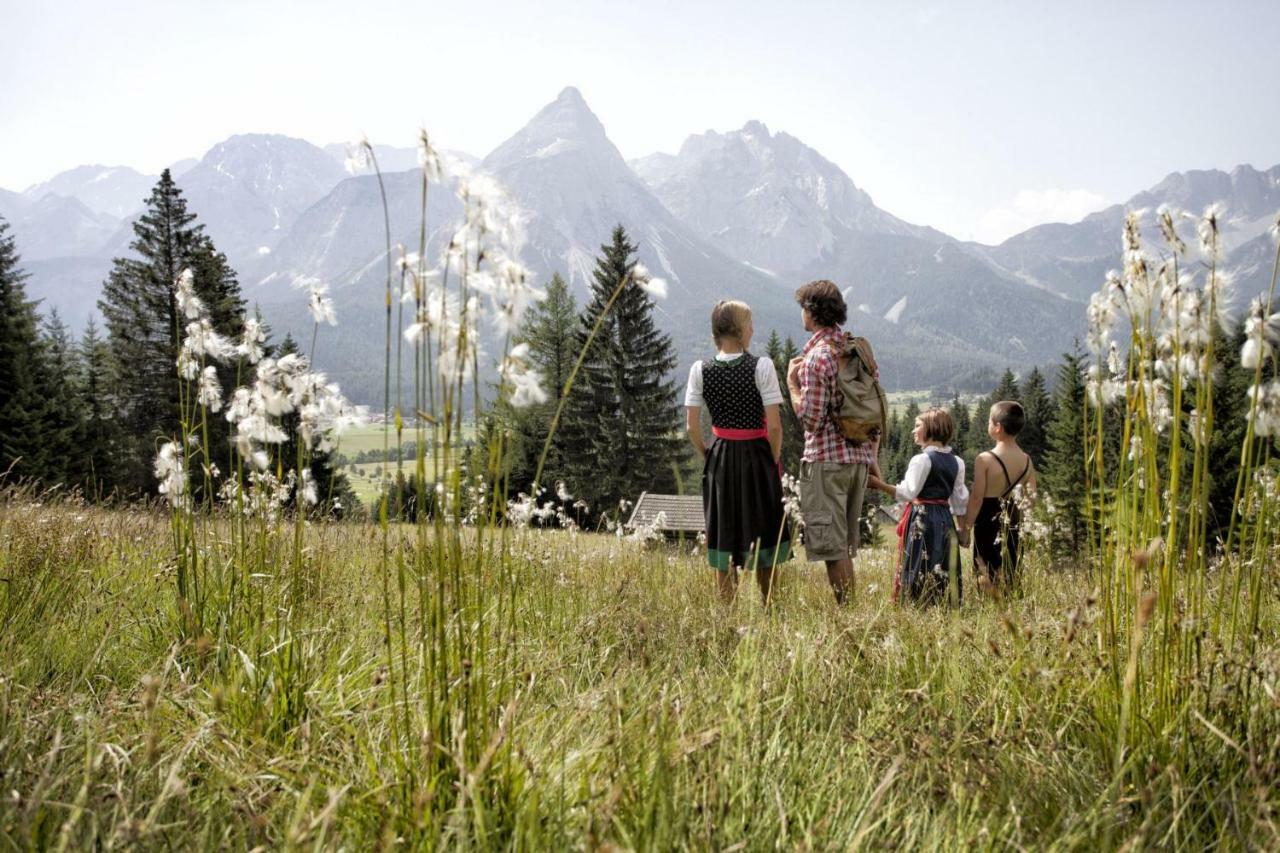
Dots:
(729, 389)
(943, 470)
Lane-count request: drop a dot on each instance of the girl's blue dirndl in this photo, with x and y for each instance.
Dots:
(928, 550)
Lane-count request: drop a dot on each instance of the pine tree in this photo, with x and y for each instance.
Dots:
(905, 444)
(621, 416)
(1034, 397)
(964, 424)
(145, 330)
(21, 401)
(550, 329)
(100, 434)
(1007, 389)
(976, 438)
(62, 424)
(792, 431)
(1062, 475)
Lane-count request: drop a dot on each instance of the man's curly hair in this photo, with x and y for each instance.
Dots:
(823, 301)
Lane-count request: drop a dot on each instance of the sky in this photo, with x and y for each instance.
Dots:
(978, 118)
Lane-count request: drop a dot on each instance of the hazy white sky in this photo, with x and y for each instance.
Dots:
(977, 118)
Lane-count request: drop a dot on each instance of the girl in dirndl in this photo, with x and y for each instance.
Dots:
(934, 492)
(741, 474)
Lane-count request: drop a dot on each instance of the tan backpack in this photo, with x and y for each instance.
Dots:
(863, 413)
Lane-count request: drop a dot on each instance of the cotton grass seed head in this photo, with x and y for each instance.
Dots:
(359, 156)
(1208, 230)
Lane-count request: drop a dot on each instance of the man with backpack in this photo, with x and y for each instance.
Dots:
(835, 391)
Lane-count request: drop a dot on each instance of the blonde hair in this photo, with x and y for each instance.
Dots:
(729, 319)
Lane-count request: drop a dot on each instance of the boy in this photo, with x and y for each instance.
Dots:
(994, 516)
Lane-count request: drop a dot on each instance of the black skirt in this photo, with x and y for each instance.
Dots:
(742, 502)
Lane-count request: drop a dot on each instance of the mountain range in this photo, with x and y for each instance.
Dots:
(748, 214)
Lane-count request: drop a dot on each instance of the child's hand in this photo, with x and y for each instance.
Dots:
(964, 535)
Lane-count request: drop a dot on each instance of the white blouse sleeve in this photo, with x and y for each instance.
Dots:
(767, 382)
(693, 391)
(913, 481)
(960, 492)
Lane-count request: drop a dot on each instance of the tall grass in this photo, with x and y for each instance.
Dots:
(1179, 660)
(245, 674)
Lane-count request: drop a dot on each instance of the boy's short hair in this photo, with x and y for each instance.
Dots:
(729, 319)
(824, 302)
(1009, 416)
(938, 425)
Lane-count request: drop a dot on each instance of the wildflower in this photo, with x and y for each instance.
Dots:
(562, 492)
(185, 295)
(251, 340)
(512, 294)
(525, 384)
(1102, 315)
(655, 287)
(1113, 360)
(1219, 289)
(309, 488)
(319, 303)
(1131, 235)
(210, 393)
(1264, 407)
(1208, 229)
(171, 472)
(1261, 333)
(359, 156)
(1103, 390)
(520, 511)
(428, 158)
(1164, 215)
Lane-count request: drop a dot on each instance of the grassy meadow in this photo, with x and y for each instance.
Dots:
(225, 669)
(363, 476)
(622, 706)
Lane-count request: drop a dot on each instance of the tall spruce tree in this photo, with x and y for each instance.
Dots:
(964, 425)
(621, 416)
(1034, 397)
(1062, 476)
(100, 433)
(1007, 389)
(145, 329)
(22, 404)
(904, 446)
(550, 329)
(63, 427)
(792, 430)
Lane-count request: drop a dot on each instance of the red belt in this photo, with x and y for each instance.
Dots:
(903, 520)
(739, 434)
(743, 435)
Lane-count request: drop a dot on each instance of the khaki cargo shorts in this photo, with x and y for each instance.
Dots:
(831, 496)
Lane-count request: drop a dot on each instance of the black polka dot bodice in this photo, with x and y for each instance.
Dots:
(729, 389)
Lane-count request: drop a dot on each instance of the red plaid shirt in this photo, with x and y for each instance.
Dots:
(820, 401)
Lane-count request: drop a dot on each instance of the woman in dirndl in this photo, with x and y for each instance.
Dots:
(741, 474)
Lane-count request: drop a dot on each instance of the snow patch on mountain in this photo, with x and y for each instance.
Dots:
(894, 314)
